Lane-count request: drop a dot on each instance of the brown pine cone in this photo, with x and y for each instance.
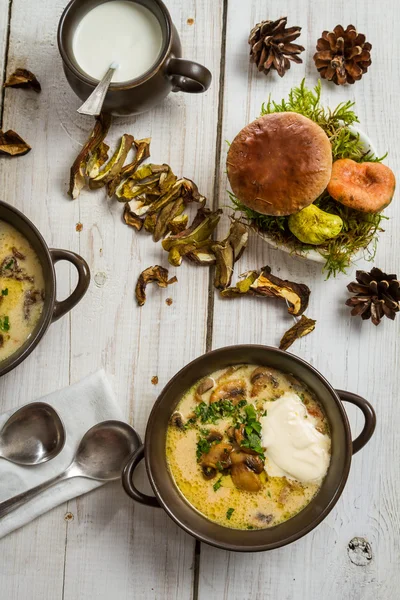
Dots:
(343, 55)
(377, 295)
(272, 47)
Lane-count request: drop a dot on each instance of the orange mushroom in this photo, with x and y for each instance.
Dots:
(368, 186)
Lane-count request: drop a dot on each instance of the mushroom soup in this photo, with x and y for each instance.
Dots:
(248, 446)
(21, 290)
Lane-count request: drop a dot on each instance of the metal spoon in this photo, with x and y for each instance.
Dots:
(32, 435)
(94, 104)
(102, 454)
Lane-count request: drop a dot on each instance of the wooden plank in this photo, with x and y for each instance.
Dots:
(4, 18)
(352, 356)
(114, 547)
(33, 557)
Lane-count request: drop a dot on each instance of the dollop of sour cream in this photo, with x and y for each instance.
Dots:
(294, 447)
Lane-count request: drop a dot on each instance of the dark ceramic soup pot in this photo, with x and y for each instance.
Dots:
(53, 309)
(170, 73)
(169, 497)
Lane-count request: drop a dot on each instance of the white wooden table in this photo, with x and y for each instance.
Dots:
(113, 548)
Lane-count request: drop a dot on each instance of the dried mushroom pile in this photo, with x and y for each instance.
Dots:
(155, 200)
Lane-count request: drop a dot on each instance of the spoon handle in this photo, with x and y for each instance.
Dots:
(16, 501)
(93, 105)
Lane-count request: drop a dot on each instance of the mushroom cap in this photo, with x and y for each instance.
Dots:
(368, 186)
(279, 163)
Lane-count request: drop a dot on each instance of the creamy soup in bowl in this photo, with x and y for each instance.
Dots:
(248, 446)
(22, 290)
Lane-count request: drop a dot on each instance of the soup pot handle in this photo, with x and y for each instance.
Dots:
(127, 480)
(188, 76)
(61, 308)
(369, 415)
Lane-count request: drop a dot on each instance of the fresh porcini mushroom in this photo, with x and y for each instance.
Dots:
(262, 378)
(217, 458)
(234, 390)
(279, 163)
(177, 420)
(204, 386)
(244, 476)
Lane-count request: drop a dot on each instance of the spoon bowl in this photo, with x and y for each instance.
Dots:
(32, 435)
(104, 450)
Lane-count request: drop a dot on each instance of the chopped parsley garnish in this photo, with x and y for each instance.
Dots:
(269, 493)
(211, 413)
(252, 431)
(203, 447)
(9, 264)
(4, 292)
(217, 485)
(229, 513)
(4, 324)
(249, 527)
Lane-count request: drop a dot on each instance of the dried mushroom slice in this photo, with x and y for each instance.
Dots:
(295, 294)
(228, 252)
(155, 274)
(167, 214)
(22, 78)
(114, 165)
(142, 152)
(77, 175)
(12, 144)
(238, 238)
(150, 223)
(144, 180)
(242, 287)
(303, 327)
(188, 240)
(204, 257)
(224, 257)
(131, 219)
(96, 160)
(178, 224)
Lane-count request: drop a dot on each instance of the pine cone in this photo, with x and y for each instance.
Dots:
(342, 56)
(271, 46)
(377, 295)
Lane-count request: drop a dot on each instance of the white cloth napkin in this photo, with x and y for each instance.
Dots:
(80, 406)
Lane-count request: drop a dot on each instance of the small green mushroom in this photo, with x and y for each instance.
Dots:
(314, 226)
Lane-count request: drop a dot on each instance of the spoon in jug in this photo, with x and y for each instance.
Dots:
(32, 435)
(102, 454)
(94, 104)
